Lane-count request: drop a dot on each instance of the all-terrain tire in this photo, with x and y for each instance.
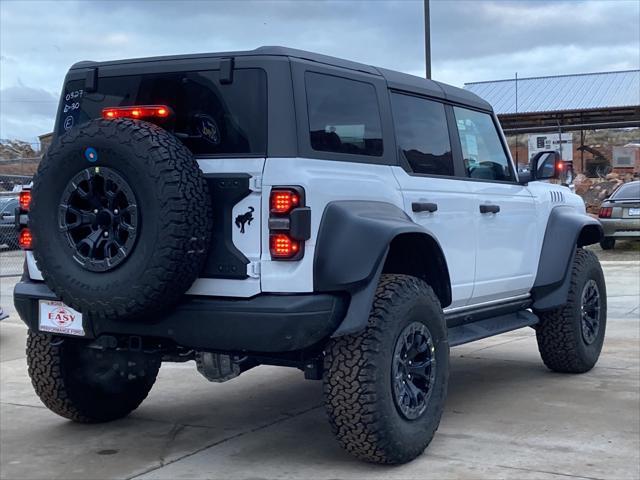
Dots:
(560, 336)
(87, 385)
(173, 214)
(358, 389)
(608, 243)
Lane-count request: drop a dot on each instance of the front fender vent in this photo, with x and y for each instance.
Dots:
(556, 197)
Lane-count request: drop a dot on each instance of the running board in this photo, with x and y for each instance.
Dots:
(470, 332)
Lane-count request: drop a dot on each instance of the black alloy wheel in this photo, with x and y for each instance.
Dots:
(413, 371)
(99, 214)
(590, 311)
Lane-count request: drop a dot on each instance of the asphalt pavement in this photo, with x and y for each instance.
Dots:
(506, 416)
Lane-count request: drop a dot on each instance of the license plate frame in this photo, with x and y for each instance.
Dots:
(56, 317)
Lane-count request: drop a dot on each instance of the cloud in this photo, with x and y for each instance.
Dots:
(26, 112)
(473, 29)
(472, 40)
(537, 62)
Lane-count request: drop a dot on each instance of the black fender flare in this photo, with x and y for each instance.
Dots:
(352, 245)
(566, 230)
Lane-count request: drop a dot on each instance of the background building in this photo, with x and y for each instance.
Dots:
(592, 118)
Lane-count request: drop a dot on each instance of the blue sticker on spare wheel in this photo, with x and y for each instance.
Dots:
(91, 155)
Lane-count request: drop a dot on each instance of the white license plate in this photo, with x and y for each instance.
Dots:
(56, 317)
(634, 212)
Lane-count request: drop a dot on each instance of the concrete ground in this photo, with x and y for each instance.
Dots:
(507, 416)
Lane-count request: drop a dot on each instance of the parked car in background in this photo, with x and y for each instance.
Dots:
(8, 232)
(620, 214)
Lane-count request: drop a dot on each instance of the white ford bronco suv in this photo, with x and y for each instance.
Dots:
(280, 207)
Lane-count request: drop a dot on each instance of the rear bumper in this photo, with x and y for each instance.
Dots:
(266, 323)
(621, 227)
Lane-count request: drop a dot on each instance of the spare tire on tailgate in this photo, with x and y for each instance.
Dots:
(120, 217)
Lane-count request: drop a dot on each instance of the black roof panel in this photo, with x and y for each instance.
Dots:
(396, 80)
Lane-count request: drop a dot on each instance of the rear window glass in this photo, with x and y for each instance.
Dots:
(630, 191)
(210, 118)
(343, 115)
(8, 204)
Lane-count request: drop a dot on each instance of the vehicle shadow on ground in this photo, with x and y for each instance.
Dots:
(270, 417)
(293, 408)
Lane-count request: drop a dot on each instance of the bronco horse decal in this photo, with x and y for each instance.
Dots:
(245, 218)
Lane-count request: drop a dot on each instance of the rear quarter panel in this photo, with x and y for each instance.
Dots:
(324, 181)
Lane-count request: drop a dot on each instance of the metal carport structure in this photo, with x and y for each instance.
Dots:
(564, 103)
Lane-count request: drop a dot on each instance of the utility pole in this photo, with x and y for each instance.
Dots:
(516, 117)
(427, 39)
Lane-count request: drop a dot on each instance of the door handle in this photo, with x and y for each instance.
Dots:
(424, 207)
(489, 208)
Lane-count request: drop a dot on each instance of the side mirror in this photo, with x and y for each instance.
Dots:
(545, 165)
(525, 177)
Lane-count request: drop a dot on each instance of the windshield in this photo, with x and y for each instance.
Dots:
(629, 191)
(209, 117)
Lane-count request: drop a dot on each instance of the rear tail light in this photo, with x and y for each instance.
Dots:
(144, 112)
(24, 204)
(25, 200)
(289, 223)
(605, 212)
(283, 246)
(283, 201)
(25, 239)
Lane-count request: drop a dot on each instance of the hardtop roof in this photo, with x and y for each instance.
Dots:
(395, 80)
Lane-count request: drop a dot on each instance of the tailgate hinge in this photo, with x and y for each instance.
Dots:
(253, 269)
(255, 184)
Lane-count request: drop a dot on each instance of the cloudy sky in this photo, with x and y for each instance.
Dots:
(471, 40)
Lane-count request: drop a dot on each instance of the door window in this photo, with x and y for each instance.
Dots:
(422, 134)
(482, 151)
(343, 115)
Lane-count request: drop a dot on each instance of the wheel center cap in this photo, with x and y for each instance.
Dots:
(104, 218)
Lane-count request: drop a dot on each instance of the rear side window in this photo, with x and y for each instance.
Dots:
(209, 118)
(482, 151)
(343, 115)
(422, 134)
